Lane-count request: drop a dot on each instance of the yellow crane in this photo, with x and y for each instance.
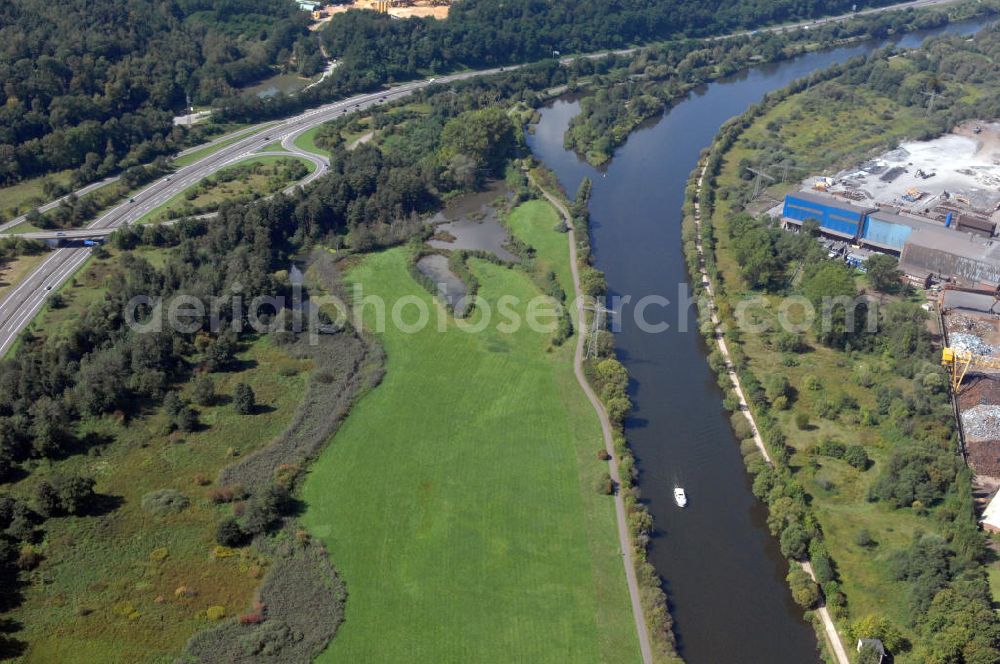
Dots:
(960, 361)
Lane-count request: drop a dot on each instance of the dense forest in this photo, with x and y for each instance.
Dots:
(486, 33)
(375, 49)
(94, 84)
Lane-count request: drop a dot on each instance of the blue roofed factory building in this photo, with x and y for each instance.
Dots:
(888, 231)
(948, 250)
(835, 217)
(866, 226)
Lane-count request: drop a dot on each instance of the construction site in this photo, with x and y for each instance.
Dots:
(934, 204)
(396, 8)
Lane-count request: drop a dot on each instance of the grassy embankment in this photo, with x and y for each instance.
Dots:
(192, 157)
(820, 131)
(254, 178)
(21, 197)
(107, 589)
(13, 270)
(307, 142)
(459, 501)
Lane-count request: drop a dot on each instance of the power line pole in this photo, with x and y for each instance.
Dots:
(758, 183)
(596, 324)
(930, 102)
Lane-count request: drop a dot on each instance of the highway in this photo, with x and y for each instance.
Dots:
(18, 307)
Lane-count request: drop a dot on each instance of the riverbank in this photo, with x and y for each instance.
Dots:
(834, 641)
(678, 430)
(667, 73)
(632, 551)
(815, 398)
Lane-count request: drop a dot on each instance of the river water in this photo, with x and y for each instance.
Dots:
(723, 572)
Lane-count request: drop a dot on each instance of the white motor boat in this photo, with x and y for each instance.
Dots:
(680, 497)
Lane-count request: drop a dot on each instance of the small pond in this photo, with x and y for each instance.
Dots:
(450, 288)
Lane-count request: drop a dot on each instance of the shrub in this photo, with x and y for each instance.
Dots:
(270, 639)
(215, 612)
(831, 447)
(864, 538)
(29, 558)
(804, 590)
(802, 421)
(229, 533)
(605, 486)
(827, 409)
(203, 390)
(227, 494)
(602, 455)
(857, 457)
(256, 616)
(286, 474)
(790, 342)
(794, 541)
(165, 501)
(244, 399)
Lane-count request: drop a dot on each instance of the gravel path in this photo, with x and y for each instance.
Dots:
(833, 637)
(624, 539)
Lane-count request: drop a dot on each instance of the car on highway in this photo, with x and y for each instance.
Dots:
(60, 234)
(48, 288)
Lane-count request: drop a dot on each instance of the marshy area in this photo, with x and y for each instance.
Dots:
(468, 225)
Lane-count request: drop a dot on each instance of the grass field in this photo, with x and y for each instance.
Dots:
(21, 197)
(106, 588)
(307, 142)
(12, 271)
(458, 501)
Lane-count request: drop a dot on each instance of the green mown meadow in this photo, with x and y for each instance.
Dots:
(458, 500)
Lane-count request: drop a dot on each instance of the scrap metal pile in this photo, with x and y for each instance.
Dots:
(979, 398)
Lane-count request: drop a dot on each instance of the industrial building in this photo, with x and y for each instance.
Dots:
(962, 258)
(934, 204)
(835, 217)
(955, 249)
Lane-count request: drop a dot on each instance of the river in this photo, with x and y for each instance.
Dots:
(722, 570)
